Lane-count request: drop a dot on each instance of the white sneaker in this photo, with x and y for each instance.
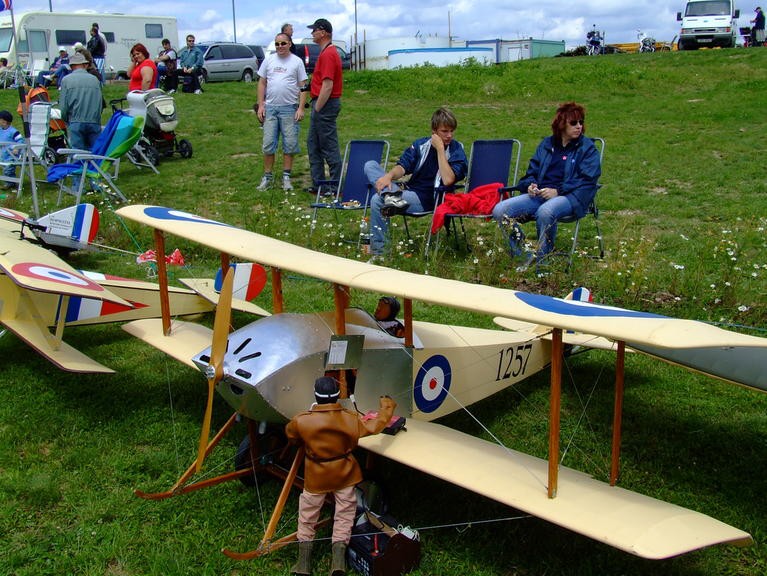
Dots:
(266, 183)
(198, 91)
(286, 184)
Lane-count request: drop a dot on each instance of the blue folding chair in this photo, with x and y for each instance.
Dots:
(489, 161)
(352, 192)
(593, 210)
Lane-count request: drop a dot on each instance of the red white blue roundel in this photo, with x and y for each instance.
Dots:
(432, 383)
(162, 213)
(52, 274)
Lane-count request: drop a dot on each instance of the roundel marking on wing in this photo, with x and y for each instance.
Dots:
(53, 274)
(432, 383)
(577, 308)
(11, 214)
(162, 213)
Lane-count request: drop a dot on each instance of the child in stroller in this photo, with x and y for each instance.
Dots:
(160, 120)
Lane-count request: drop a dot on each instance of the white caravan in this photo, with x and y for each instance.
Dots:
(39, 35)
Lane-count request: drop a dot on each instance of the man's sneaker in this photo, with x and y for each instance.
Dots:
(286, 185)
(198, 91)
(266, 183)
(48, 76)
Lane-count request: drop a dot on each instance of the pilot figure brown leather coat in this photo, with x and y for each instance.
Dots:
(329, 433)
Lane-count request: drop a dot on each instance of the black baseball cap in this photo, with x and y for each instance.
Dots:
(322, 24)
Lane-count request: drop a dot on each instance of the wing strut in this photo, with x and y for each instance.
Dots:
(557, 353)
(162, 273)
(620, 362)
(341, 299)
(408, 308)
(278, 304)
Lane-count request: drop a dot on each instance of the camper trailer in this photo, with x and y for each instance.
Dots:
(38, 36)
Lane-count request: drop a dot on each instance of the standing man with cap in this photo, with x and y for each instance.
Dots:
(757, 30)
(80, 104)
(326, 87)
(329, 434)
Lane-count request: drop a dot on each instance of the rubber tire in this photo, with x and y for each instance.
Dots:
(151, 153)
(49, 156)
(185, 148)
(248, 75)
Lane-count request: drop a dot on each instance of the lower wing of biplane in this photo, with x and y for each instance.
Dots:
(268, 367)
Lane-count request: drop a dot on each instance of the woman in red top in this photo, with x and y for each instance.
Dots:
(142, 70)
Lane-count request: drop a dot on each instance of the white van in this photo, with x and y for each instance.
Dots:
(708, 23)
(39, 35)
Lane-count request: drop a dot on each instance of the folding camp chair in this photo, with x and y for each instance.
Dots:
(352, 191)
(143, 154)
(100, 166)
(35, 152)
(490, 161)
(592, 209)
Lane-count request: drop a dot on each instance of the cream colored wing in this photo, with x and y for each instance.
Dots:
(204, 287)
(626, 520)
(36, 268)
(581, 317)
(185, 340)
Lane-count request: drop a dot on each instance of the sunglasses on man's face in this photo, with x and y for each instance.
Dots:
(281, 43)
(575, 122)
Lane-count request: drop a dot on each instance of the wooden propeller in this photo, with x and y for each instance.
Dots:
(215, 369)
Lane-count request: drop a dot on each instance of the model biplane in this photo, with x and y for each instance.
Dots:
(266, 370)
(40, 291)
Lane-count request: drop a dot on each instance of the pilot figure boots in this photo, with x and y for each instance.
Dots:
(338, 565)
(304, 565)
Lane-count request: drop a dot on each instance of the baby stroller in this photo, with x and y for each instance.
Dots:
(57, 135)
(160, 120)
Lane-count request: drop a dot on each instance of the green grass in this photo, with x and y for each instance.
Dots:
(684, 214)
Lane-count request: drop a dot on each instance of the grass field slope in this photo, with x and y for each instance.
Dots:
(684, 217)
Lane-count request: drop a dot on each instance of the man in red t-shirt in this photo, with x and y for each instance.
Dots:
(326, 88)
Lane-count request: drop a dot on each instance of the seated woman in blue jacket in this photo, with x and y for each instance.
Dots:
(560, 182)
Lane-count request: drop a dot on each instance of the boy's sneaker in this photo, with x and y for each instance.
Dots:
(286, 184)
(266, 183)
(393, 204)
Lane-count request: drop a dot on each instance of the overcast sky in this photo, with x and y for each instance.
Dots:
(258, 20)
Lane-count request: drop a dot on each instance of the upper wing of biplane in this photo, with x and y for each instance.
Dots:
(661, 334)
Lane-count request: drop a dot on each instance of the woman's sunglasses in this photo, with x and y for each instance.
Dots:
(575, 122)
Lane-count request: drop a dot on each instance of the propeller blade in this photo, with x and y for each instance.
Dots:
(217, 353)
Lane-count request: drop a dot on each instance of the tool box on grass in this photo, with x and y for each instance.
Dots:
(377, 548)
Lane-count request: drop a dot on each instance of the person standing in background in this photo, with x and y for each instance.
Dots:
(97, 46)
(80, 102)
(326, 88)
(281, 98)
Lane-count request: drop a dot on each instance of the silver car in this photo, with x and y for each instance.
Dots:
(228, 61)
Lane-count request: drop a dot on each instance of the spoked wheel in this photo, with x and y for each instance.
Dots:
(49, 156)
(185, 148)
(270, 450)
(151, 153)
